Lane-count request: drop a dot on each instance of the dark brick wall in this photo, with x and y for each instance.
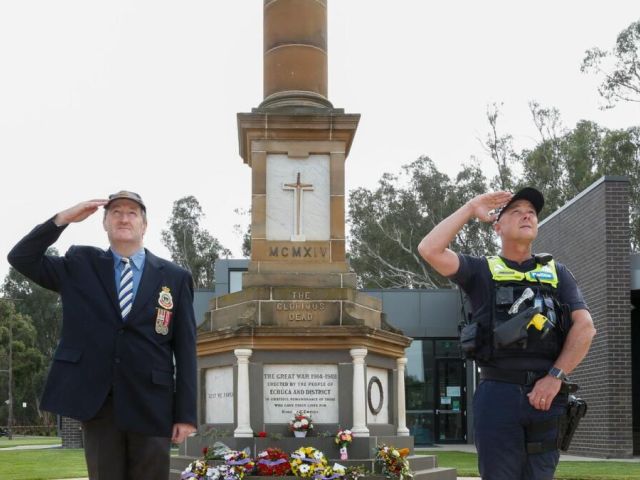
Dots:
(71, 433)
(591, 236)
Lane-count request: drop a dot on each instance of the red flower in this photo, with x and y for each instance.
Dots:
(205, 450)
(273, 461)
(262, 434)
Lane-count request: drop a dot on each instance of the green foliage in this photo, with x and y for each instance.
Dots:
(28, 364)
(564, 163)
(620, 67)
(42, 310)
(388, 223)
(246, 234)
(500, 149)
(42, 305)
(190, 245)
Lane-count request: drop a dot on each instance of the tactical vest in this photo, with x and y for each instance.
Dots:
(506, 304)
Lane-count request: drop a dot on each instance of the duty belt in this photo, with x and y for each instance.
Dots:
(522, 377)
(519, 377)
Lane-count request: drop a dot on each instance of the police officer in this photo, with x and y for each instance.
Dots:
(530, 328)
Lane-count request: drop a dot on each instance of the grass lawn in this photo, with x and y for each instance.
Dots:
(42, 464)
(19, 440)
(466, 464)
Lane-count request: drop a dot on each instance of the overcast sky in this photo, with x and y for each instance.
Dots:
(143, 95)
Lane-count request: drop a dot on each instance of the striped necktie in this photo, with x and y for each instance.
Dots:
(125, 296)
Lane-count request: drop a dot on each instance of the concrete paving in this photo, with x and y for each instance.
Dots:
(29, 447)
(470, 448)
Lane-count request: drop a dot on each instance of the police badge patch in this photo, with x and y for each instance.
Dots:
(165, 300)
(163, 318)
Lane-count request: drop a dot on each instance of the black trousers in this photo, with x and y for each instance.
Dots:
(112, 454)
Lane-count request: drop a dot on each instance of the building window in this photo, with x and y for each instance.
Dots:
(235, 280)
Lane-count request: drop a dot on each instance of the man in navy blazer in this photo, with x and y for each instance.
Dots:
(126, 315)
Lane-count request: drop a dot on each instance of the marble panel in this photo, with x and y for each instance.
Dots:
(284, 222)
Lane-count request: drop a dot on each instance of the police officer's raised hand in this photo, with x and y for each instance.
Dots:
(484, 206)
(544, 391)
(79, 212)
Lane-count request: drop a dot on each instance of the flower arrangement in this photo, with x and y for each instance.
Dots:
(273, 461)
(240, 461)
(225, 472)
(216, 452)
(394, 462)
(197, 469)
(331, 473)
(354, 472)
(301, 421)
(343, 440)
(307, 462)
(202, 470)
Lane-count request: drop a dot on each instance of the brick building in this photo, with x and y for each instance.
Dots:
(590, 234)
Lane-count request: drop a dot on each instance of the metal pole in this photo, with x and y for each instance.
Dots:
(10, 419)
(10, 372)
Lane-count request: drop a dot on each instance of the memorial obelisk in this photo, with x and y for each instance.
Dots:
(299, 334)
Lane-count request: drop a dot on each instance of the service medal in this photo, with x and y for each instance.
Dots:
(163, 318)
(165, 300)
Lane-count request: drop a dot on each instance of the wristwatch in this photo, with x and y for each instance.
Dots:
(556, 372)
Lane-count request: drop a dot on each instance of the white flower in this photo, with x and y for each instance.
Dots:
(318, 455)
(304, 421)
(304, 468)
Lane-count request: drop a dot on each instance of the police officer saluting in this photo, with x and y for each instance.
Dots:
(530, 328)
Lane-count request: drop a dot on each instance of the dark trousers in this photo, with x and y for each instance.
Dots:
(501, 414)
(112, 454)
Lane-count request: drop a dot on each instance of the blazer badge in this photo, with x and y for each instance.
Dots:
(163, 318)
(165, 300)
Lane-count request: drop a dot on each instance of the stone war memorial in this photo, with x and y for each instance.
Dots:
(299, 336)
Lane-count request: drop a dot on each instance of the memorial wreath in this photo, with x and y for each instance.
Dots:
(240, 461)
(307, 462)
(273, 461)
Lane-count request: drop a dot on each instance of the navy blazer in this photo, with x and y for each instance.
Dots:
(98, 353)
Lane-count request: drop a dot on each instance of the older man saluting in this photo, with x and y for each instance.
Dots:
(126, 315)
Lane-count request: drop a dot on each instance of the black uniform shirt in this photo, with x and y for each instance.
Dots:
(474, 277)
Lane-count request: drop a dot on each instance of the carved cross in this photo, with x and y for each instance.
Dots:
(298, 188)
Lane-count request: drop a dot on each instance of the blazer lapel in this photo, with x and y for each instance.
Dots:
(149, 283)
(106, 275)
